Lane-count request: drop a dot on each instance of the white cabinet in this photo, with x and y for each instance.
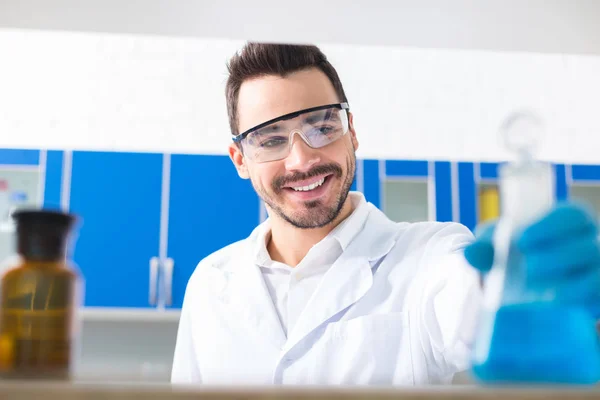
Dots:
(19, 187)
(406, 201)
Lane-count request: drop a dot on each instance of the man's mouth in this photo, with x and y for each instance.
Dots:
(307, 188)
(308, 184)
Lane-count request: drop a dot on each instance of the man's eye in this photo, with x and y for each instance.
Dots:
(325, 129)
(273, 142)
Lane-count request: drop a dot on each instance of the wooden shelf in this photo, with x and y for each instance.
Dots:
(144, 390)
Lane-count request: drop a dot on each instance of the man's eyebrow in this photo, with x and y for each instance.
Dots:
(271, 128)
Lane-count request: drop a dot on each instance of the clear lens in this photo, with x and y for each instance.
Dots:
(317, 128)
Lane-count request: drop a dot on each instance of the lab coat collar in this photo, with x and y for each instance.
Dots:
(246, 293)
(348, 280)
(349, 228)
(350, 277)
(343, 233)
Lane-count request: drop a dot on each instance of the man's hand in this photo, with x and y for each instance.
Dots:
(561, 251)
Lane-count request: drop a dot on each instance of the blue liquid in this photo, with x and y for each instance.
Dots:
(541, 343)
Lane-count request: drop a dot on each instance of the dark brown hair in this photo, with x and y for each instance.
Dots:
(259, 59)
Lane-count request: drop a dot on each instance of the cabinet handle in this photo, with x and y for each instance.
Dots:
(168, 276)
(153, 280)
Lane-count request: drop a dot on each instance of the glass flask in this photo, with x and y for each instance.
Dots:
(524, 335)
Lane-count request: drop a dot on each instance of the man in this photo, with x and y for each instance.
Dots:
(328, 290)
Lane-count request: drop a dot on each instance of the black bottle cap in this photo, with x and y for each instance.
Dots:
(42, 234)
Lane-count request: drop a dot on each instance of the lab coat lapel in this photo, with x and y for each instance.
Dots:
(247, 294)
(343, 285)
(350, 277)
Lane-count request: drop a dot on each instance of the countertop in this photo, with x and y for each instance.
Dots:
(121, 391)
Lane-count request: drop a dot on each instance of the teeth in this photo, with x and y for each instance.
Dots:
(309, 187)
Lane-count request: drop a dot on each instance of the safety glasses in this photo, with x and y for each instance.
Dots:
(272, 140)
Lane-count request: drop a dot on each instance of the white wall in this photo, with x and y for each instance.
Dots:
(147, 93)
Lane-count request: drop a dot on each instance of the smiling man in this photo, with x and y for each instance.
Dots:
(328, 290)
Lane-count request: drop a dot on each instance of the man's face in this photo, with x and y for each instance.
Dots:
(283, 184)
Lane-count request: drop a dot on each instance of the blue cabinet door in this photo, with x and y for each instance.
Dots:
(467, 195)
(118, 197)
(53, 179)
(210, 206)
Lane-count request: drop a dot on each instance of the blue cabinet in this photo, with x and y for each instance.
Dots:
(210, 206)
(136, 207)
(478, 183)
(445, 198)
(467, 194)
(118, 197)
(53, 168)
(582, 184)
(411, 190)
(405, 190)
(369, 181)
(19, 157)
(478, 192)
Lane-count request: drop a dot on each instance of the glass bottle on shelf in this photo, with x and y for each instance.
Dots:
(39, 299)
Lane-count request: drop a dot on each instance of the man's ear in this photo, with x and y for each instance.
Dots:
(235, 153)
(352, 131)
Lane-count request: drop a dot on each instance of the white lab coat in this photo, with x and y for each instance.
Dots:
(397, 308)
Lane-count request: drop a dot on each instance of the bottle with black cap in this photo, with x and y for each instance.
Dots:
(39, 299)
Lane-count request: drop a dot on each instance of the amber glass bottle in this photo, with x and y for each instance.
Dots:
(39, 299)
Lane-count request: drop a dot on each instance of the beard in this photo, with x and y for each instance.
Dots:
(314, 213)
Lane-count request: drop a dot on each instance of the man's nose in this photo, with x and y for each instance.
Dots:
(302, 157)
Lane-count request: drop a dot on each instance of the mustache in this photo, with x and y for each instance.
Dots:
(334, 169)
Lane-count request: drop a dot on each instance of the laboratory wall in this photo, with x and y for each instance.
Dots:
(130, 133)
(150, 93)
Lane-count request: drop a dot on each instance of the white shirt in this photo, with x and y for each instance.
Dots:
(291, 287)
(398, 306)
